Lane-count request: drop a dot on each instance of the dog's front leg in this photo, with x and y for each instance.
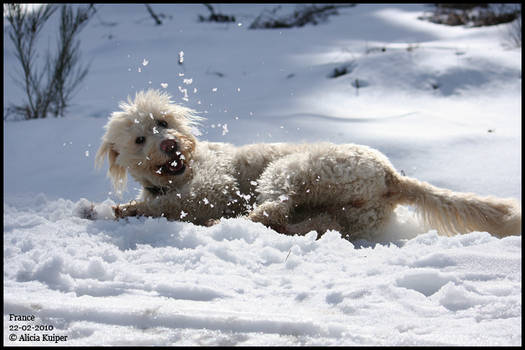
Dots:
(172, 210)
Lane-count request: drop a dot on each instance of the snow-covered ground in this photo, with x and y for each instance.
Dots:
(443, 103)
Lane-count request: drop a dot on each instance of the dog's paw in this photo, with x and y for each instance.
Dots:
(85, 210)
(91, 211)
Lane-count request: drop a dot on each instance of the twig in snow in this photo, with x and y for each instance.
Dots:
(155, 17)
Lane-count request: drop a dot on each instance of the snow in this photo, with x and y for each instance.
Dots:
(443, 103)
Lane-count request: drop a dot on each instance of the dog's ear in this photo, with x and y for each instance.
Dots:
(116, 172)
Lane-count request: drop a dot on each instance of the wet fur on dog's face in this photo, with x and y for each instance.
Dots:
(151, 139)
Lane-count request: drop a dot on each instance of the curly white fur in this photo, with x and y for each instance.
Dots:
(293, 188)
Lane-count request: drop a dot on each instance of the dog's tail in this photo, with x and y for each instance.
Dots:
(453, 212)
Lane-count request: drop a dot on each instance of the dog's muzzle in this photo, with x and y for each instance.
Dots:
(174, 166)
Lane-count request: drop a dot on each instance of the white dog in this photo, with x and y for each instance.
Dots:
(292, 188)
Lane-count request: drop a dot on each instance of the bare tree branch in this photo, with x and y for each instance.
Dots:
(62, 72)
(155, 17)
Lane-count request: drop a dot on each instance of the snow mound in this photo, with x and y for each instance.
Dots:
(240, 283)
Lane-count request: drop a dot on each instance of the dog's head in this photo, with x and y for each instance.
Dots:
(151, 138)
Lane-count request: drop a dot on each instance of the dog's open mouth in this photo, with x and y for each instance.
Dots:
(175, 166)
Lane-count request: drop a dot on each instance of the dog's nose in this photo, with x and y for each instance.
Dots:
(168, 146)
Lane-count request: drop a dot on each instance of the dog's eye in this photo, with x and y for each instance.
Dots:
(140, 139)
(162, 123)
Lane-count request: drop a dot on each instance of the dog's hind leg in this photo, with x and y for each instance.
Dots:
(320, 223)
(273, 214)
